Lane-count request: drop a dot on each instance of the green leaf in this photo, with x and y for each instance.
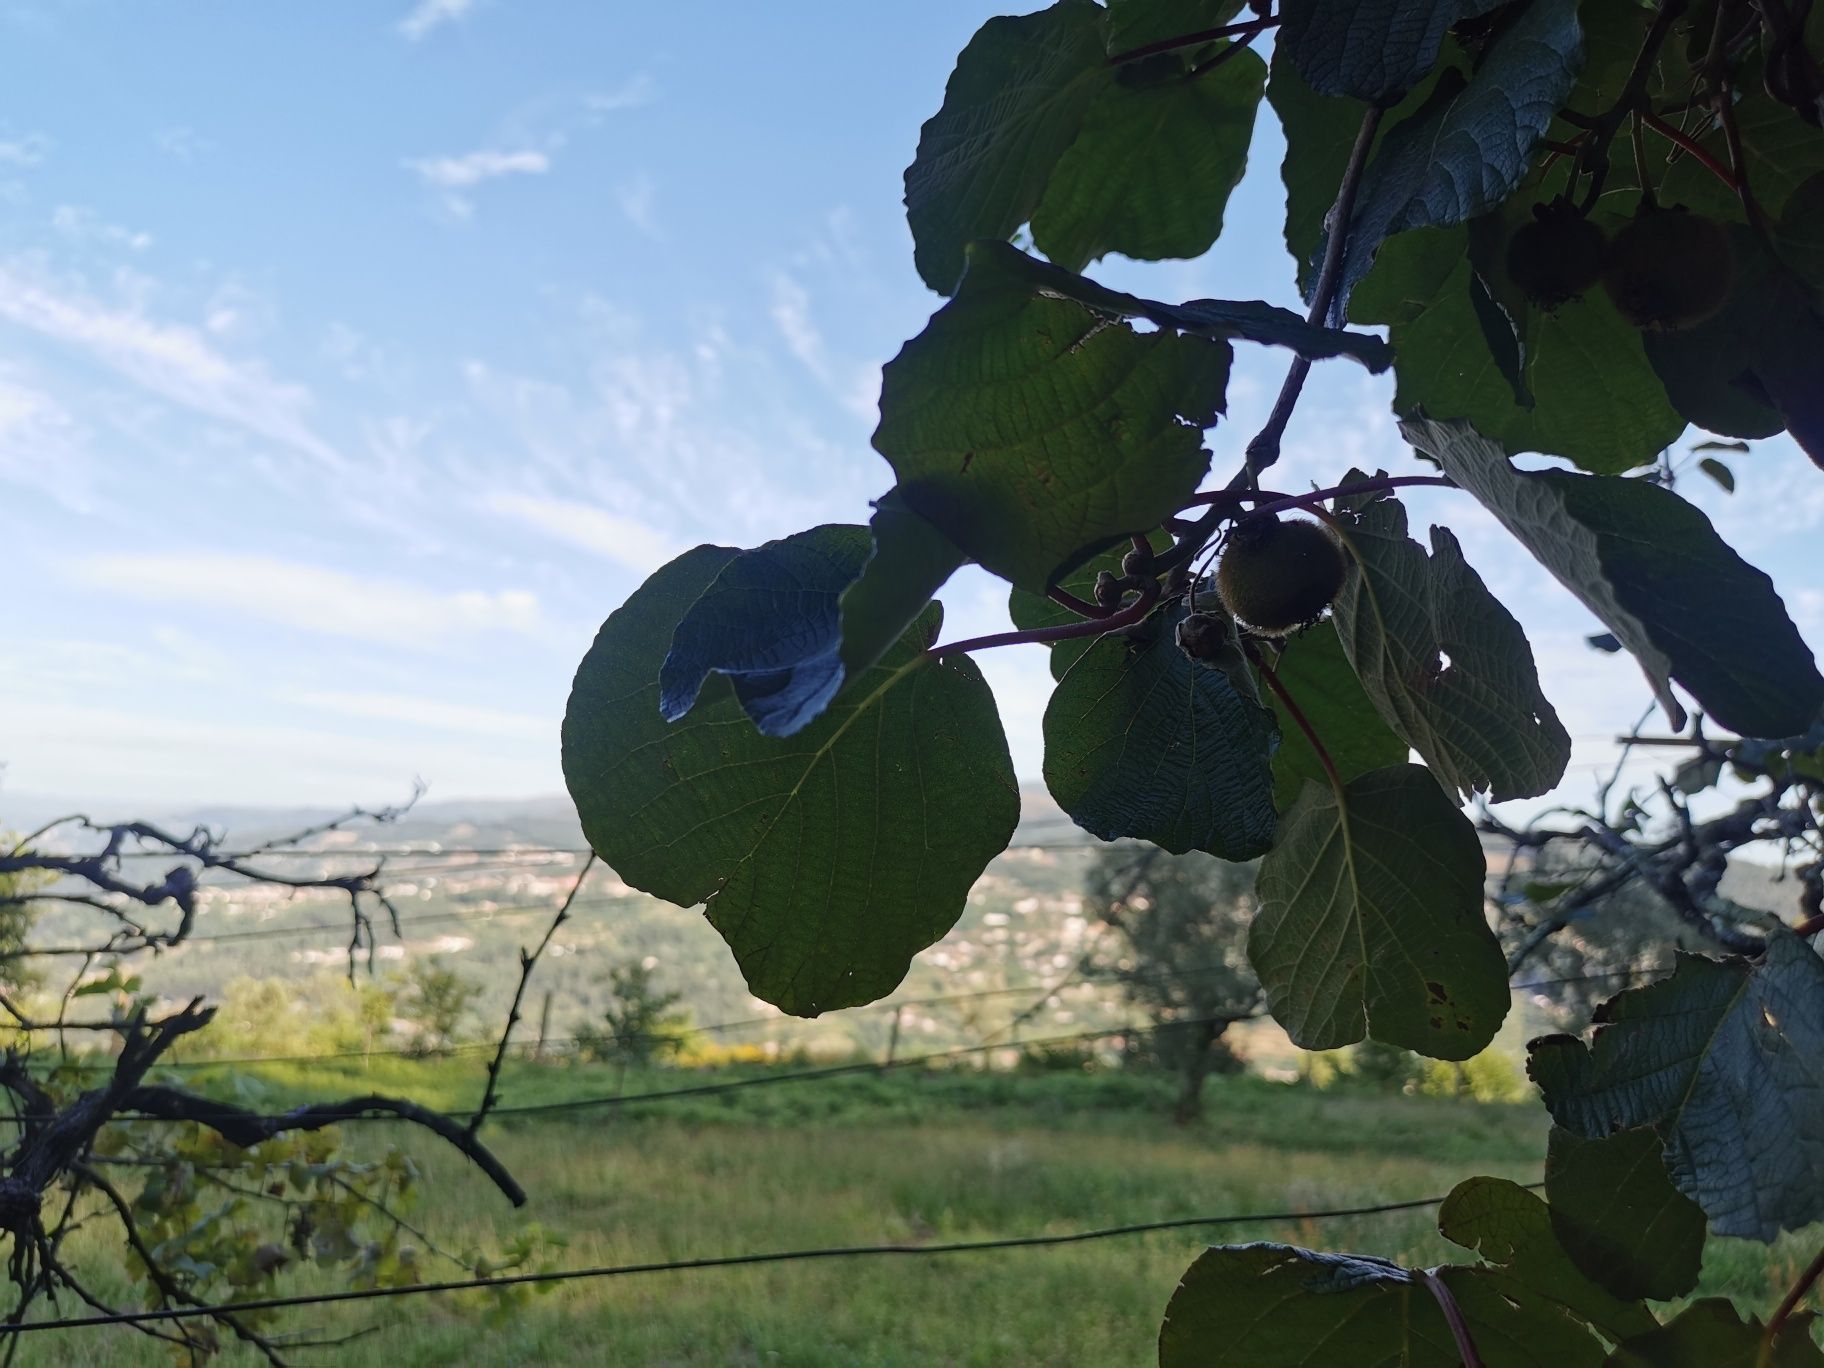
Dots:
(1799, 235)
(1596, 398)
(1472, 142)
(1031, 431)
(1371, 50)
(1480, 720)
(1316, 672)
(1721, 1060)
(826, 860)
(1752, 369)
(910, 562)
(1370, 920)
(770, 622)
(1712, 1334)
(1512, 1229)
(1654, 570)
(1014, 104)
(1152, 169)
(1618, 1216)
(1718, 472)
(1140, 23)
(1141, 740)
(1278, 1306)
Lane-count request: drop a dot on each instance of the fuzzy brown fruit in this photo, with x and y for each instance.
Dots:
(1279, 576)
(1557, 256)
(1669, 269)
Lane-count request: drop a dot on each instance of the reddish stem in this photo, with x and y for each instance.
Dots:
(1812, 1272)
(1250, 27)
(1683, 139)
(1453, 1317)
(1081, 607)
(1297, 714)
(1070, 631)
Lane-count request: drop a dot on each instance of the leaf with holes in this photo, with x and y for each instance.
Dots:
(1654, 570)
(1513, 1231)
(1721, 1059)
(827, 859)
(1141, 740)
(1032, 431)
(1445, 664)
(1370, 920)
(1712, 1334)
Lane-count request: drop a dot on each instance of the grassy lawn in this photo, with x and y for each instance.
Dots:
(900, 1158)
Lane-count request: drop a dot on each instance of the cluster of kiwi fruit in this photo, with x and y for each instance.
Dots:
(1667, 270)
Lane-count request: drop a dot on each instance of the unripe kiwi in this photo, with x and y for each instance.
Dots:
(1279, 576)
(1557, 256)
(1669, 269)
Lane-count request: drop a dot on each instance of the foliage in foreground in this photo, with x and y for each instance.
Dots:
(1585, 228)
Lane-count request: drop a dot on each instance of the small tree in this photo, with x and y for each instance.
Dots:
(1183, 926)
(435, 1000)
(639, 1024)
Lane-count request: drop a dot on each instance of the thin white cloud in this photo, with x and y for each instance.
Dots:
(171, 360)
(622, 540)
(638, 200)
(312, 598)
(41, 444)
(84, 224)
(484, 164)
(413, 710)
(27, 150)
(857, 389)
(638, 90)
(427, 16)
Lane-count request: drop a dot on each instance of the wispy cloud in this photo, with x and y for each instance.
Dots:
(41, 444)
(427, 16)
(857, 388)
(622, 540)
(171, 360)
(312, 598)
(76, 222)
(455, 175)
(638, 199)
(29, 149)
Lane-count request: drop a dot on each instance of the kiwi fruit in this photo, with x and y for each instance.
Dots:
(1669, 269)
(1278, 576)
(1557, 256)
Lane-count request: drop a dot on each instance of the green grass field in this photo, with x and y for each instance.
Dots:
(903, 1158)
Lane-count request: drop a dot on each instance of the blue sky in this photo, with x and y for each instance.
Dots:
(355, 361)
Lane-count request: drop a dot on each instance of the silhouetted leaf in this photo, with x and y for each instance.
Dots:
(910, 562)
(1277, 1306)
(1472, 142)
(1618, 1216)
(1030, 430)
(1721, 1060)
(1249, 319)
(1013, 105)
(1152, 168)
(1712, 1334)
(1512, 1229)
(1370, 920)
(1596, 397)
(826, 860)
(1653, 569)
(1141, 740)
(1368, 49)
(1317, 674)
(1718, 472)
(1606, 642)
(1137, 23)
(1480, 720)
